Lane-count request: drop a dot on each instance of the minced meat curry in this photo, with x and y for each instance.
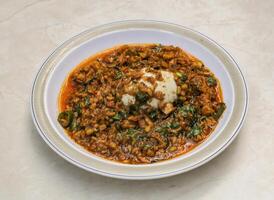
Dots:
(140, 103)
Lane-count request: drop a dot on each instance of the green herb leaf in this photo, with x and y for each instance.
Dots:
(133, 108)
(182, 77)
(118, 126)
(147, 146)
(73, 125)
(153, 114)
(131, 132)
(202, 118)
(187, 110)
(196, 130)
(123, 114)
(195, 90)
(178, 103)
(118, 75)
(142, 97)
(220, 109)
(141, 137)
(117, 117)
(65, 118)
(174, 125)
(89, 80)
(163, 130)
(87, 101)
(211, 81)
(78, 108)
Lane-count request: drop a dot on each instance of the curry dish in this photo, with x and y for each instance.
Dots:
(140, 103)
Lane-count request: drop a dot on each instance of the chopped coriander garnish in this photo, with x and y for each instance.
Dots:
(186, 110)
(174, 125)
(142, 97)
(182, 76)
(73, 125)
(133, 108)
(220, 109)
(147, 146)
(117, 117)
(65, 118)
(78, 109)
(163, 130)
(196, 130)
(153, 114)
(87, 101)
(118, 75)
(211, 81)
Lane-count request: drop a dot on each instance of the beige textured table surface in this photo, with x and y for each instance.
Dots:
(29, 30)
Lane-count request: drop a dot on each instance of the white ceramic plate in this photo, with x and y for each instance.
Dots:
(56, 67)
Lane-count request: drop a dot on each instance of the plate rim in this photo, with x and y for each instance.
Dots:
(129, 177)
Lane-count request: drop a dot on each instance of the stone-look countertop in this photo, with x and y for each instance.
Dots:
(30, 30)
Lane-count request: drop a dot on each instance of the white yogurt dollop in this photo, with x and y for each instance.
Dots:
(167, 86)
(128, 99)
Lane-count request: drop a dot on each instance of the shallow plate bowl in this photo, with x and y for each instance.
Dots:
(63, 59)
